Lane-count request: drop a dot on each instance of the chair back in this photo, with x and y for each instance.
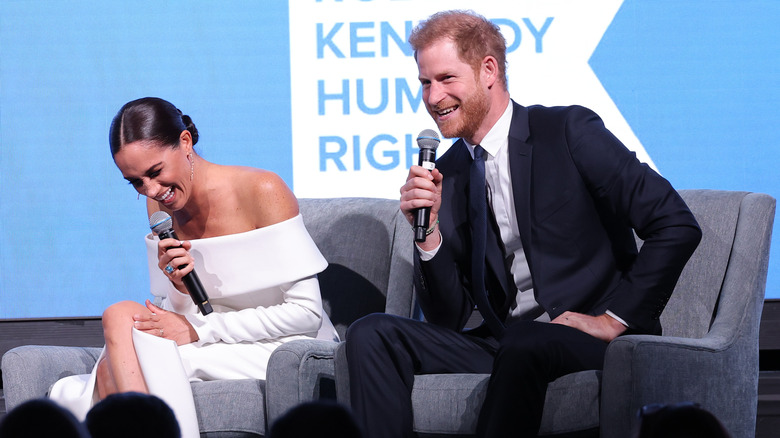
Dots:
(736, 232)
(368, 245)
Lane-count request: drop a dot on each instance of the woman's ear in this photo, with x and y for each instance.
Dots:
(185, 140)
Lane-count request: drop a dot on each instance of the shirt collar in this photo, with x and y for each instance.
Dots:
(498, 135)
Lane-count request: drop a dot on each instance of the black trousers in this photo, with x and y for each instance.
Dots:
(385, 352)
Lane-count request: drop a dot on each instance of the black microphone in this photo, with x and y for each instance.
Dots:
(162, 224)
(427, 141)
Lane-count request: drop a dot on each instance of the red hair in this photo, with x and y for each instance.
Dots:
(475, 37)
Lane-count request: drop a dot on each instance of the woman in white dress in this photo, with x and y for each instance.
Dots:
(241, 231)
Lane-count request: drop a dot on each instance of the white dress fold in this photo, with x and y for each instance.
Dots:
(263, 287)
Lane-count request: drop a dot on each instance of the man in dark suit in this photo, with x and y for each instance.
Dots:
(554, 270)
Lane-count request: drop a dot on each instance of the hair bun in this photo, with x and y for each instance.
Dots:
(190, 126)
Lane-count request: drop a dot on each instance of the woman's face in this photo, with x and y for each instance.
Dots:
(157, 171)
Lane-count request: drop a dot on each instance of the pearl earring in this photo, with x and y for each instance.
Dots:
(192, 167)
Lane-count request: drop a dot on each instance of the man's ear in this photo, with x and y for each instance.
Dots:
(489, 70)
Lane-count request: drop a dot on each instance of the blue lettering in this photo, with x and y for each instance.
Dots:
(356, 151)
(387, 31)
(393, 155)
(402, 89)
(343, 96)
(354, 40)
(514, 43)
(511, 47)
(411, 150)
(363, 38)
(335, 156)
(538, 34)
(328, 41)
(361, 101)
(335, 149)
(362, 41)
(404, 92)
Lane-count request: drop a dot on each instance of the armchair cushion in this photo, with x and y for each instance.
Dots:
(230, 408)
(30, 370)
(450, 403)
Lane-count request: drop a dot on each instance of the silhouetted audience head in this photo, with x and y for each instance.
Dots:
(322, 418)
(679, 420)
(132, 415)
(41, 418)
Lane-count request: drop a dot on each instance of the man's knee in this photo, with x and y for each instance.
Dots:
(374, 331)
(526, 339)
(369, 327)
(551, 348)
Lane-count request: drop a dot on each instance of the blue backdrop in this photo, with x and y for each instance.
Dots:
(698, 82)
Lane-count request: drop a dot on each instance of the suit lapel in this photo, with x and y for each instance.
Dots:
(520, 154)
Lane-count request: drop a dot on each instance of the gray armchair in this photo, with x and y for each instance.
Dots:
(708, 352)
(367, 243)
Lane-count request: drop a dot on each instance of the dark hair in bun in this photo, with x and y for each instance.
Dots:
(149, 118)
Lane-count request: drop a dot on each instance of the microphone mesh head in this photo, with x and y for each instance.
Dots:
(428, 139)
(160, 221)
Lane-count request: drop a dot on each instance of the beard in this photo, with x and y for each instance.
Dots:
(472, 113)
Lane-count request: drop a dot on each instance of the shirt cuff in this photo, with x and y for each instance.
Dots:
(427, 255)
(202, 329)
(617, 318)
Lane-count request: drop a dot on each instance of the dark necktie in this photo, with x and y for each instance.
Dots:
(478, 218)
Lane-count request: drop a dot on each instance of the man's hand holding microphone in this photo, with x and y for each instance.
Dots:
(421, 194)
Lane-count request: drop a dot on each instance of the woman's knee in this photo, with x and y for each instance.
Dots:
(120, 315)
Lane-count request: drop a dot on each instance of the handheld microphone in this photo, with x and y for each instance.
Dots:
(162, 224)
(427, 141)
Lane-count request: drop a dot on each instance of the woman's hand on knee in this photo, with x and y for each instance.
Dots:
(165, 324)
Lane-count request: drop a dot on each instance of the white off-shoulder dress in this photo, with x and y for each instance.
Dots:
(263, 287)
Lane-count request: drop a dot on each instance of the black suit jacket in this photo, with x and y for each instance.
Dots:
(578, 194)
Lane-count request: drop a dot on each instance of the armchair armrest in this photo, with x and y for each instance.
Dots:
(29, 371)
(299, 371)
(644, 369)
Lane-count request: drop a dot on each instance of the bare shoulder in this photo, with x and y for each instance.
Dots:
(265, 195)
